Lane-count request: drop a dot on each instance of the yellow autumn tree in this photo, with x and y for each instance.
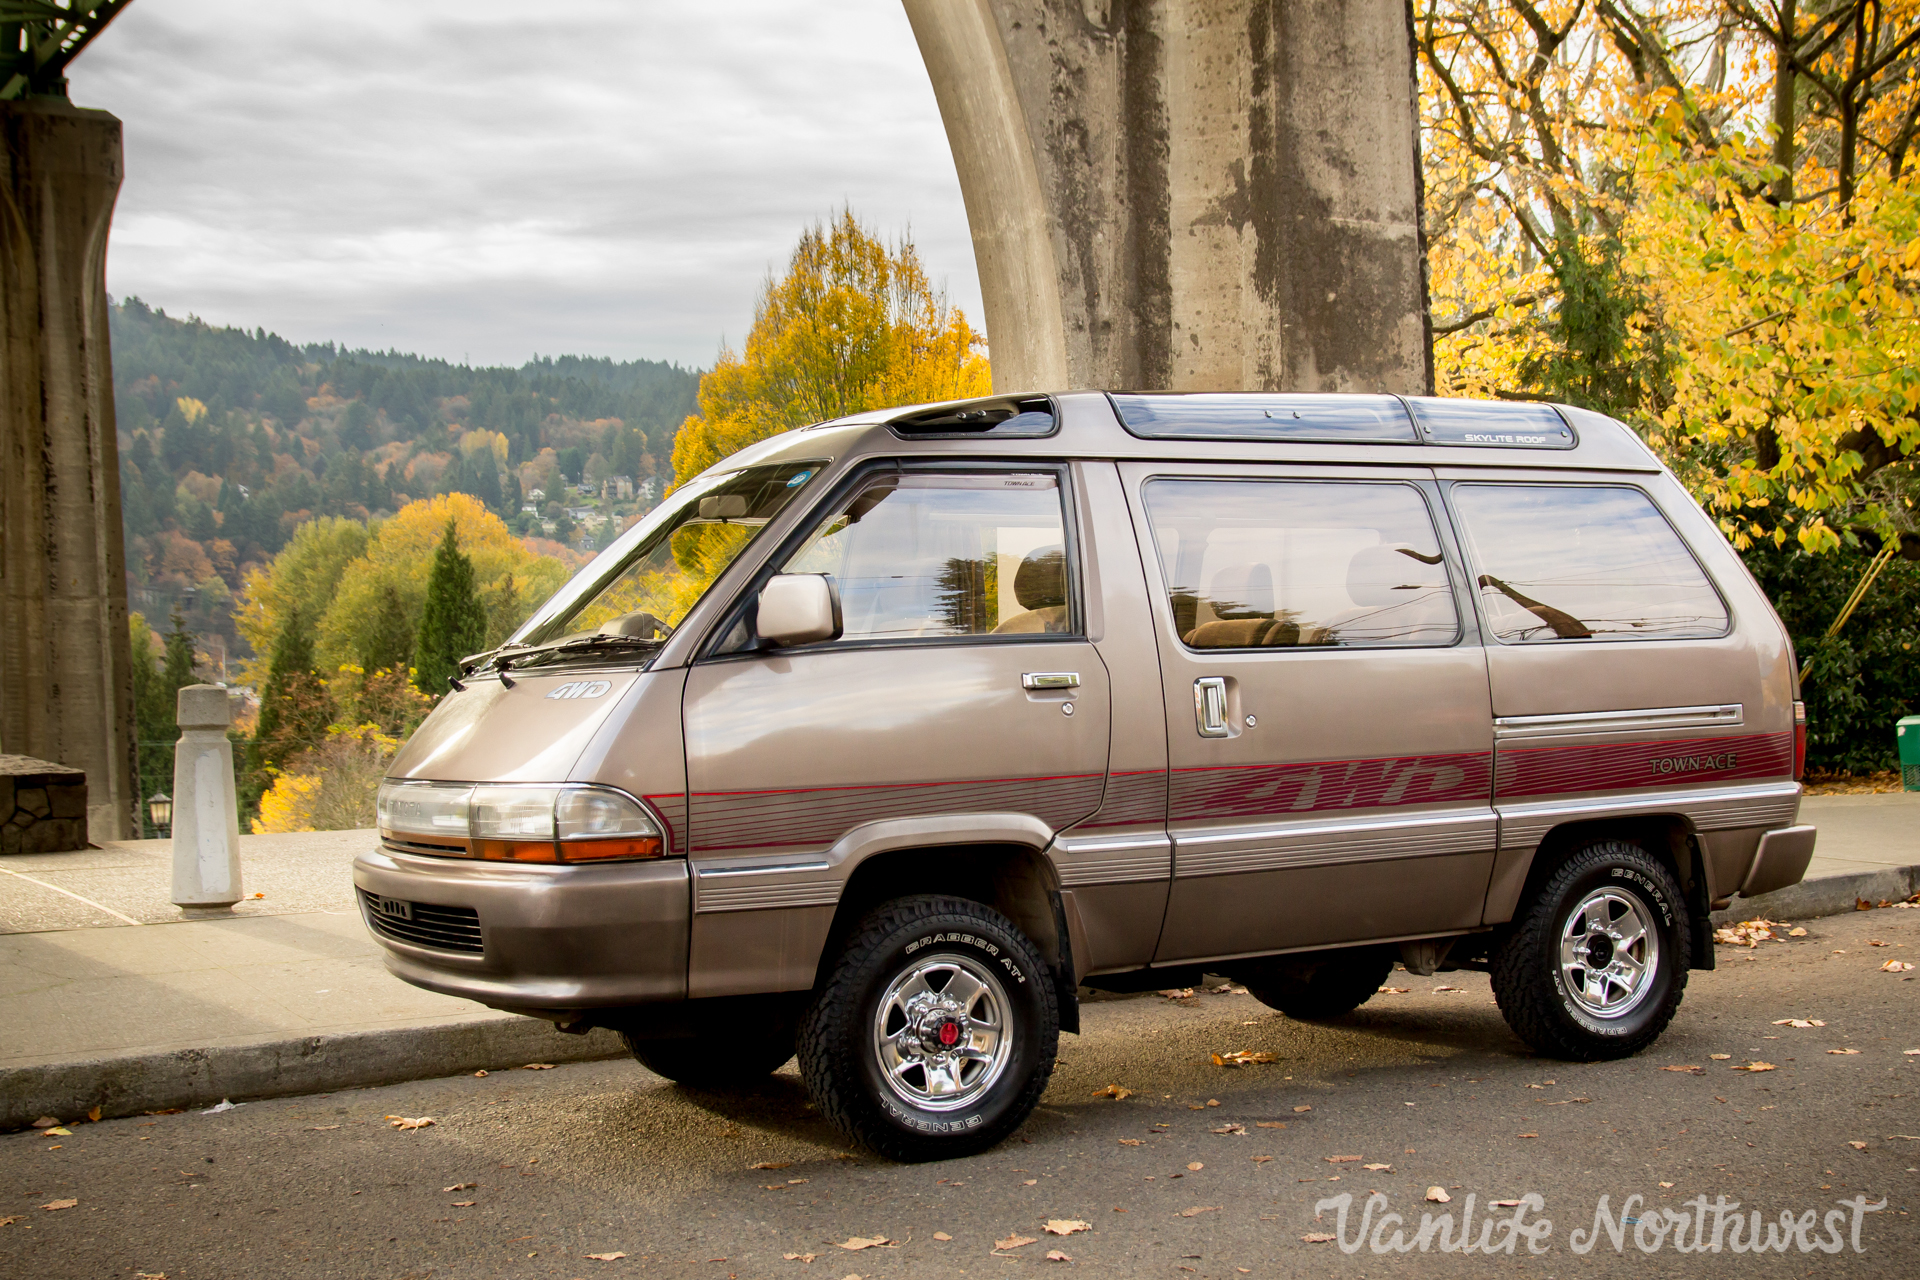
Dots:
(1700, 216)
(853, 325)
(375, 610)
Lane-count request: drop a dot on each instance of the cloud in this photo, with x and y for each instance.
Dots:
(486, 180)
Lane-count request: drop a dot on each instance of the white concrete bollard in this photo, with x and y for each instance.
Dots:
(206, 812)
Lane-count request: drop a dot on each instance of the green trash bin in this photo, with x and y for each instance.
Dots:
(1908, 732)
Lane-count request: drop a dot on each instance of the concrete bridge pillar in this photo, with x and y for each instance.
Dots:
(66, 687)
(1189, 194)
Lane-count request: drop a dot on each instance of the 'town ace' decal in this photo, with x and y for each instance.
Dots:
(582, 689)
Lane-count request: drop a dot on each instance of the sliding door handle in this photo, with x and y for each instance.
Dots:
(1210, 706)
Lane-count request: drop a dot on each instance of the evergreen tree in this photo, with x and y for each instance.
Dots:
(453, 622)
(294, 708)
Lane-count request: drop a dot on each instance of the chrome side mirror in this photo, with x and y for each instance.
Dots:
(799, 608)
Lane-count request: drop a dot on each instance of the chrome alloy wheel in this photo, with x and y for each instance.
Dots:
(1609, 952)
(940, 1033)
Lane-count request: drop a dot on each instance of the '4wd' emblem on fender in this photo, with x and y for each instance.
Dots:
(582, 689)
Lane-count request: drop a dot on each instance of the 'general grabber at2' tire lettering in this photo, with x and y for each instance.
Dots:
(934, 1032)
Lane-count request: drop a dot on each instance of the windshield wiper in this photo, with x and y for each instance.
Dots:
(532, 655)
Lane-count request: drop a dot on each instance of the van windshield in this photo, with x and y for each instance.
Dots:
(638, 589)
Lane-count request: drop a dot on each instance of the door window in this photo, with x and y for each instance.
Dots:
(946, 554)
(1282, 564)
(1579, 562)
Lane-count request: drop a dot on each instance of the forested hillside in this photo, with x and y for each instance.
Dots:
(229, 440)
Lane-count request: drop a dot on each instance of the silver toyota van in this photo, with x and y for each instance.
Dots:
(879, 740)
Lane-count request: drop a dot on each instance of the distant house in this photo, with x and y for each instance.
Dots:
(531, 506)
(616, 489)
(536, 495)
(646, 489)
(579, 513)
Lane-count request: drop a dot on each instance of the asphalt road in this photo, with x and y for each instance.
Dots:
(526, 1173)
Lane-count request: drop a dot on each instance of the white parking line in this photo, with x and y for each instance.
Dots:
(76, 897)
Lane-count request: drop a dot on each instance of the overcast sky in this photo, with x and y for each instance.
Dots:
(488, 179)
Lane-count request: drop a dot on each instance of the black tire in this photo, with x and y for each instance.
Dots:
(715, 1061)
(1558, 1009)
(841, 1049)
(1322, 985)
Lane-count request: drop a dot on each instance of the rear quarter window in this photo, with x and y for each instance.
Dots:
(1557, 562)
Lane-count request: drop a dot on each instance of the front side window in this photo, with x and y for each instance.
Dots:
(1583, 562)
(925, 554)
(1258, 564)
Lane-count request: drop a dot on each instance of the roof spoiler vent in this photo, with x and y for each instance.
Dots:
(998, 416)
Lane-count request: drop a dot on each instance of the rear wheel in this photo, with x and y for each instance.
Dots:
(1325, 985)
(935, 1031)
(1597, 962)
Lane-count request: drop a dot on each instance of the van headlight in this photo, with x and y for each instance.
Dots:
(511, 823)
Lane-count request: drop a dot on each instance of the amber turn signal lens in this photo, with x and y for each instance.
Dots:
(588, 850)
(516, 850)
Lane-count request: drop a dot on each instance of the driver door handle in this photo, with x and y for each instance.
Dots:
(1050, 680)
(1210, 706)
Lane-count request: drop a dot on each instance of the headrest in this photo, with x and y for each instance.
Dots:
(1391, 573)
(1242, 589)
(1041, 580)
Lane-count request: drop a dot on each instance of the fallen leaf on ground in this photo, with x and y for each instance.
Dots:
(321, 1128)
(1344, 1159)
(1895, 966)
(942, 1236)
(809, 1257)
(1446, 988)
(58, 1131)
(1213, 1102)
(1030, 1182)
(1515, 1204)
(854, 1244)
(94, 1114)
(1239, 1130)
(1178, 993)
(1796, 932)
(461, 1186)
(1317, 1237)
(1756, 1066)
(1066, 1226)
(406, 1122)
(772, 1164)
(481, 1074)
(45, 1122)
(1013, 1242)
(1263, 1159)
(1195, 1167)
(1132, 1142)
(1297, 1110)
(1693, 1069)
(9, 1221)
(606, 1257)
(1054, 1255)
(538, 1066)
(1529, 1135)
(1377, 1168)
(1798, 1022)
(1242, 1058)
(1911, 1053)
(1719, 1057)
(59, 1204)
(1269, 1124)
(464, 1204)
(1394, 991)
(1113, 1091)
(1438, 1195)
(1843, 1051)
(1199, 1209)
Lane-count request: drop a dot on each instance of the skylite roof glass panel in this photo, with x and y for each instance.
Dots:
(1243, 416)
(1515, 424)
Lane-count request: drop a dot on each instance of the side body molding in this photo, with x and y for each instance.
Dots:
(761, 923)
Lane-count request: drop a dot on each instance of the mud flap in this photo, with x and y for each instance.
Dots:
(1699, 914)
(1065, 984)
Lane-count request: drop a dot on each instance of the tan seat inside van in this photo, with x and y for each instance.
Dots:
(1040, 585)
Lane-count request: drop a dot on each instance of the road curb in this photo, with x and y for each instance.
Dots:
(1827, 896)
(183, 1078)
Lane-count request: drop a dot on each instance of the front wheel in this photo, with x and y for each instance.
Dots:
(935, 1031)
(1597, 962)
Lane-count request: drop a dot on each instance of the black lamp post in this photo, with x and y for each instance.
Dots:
(160, 812)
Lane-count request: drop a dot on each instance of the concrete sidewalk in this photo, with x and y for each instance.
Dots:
(112, 996)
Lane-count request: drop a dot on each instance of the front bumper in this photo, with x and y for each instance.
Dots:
(551, 937)
(1781, 860)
